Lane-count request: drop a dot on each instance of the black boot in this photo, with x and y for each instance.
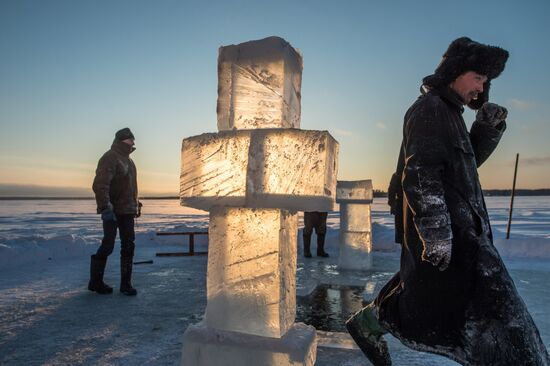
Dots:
(97, 268)
(321, 246)
(307, 245)
(367, 333)
(126, 277)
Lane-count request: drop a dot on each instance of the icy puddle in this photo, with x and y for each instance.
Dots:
(329, 306)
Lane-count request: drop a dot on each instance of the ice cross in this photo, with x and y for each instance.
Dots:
(253, 175)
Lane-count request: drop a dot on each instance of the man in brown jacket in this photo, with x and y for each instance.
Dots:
(116, 194)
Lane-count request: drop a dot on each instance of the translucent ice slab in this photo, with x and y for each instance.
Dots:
(355, 217)
(259, 85)
(355, 236)
(251, 283)
(355, 250)
(266, 168)
(354, 191)
(204, 346)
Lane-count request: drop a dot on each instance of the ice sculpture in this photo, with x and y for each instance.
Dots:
(251, 286)
(259, 85)
(253, 175)
(271, 168)
(355, 198)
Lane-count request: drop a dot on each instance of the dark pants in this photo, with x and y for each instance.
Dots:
(125, 225)
(318, 221)
(315, 220)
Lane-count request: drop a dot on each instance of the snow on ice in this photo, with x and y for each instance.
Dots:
(48, 317)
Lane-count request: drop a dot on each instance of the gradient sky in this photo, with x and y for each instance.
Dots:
(74, 72)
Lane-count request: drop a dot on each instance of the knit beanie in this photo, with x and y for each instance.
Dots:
(124, 134)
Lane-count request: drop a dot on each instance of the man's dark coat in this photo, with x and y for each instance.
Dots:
(116, 180)
(470, 312)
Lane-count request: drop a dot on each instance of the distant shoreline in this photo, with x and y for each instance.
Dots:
(377, 193)
(495, 192)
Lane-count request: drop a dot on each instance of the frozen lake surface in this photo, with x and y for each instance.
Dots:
(47, 316)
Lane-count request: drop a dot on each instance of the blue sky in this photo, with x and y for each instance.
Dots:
(74, 72)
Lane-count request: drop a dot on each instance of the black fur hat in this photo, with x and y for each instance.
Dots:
(465, 55)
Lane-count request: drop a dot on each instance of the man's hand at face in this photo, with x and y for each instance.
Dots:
(491, 114)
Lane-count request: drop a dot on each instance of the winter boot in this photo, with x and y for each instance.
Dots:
(97, 268)
(126, 277)
(321, 246)
(307, 246)
(365, 330)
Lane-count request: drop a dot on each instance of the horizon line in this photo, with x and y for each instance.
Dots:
(377, 193)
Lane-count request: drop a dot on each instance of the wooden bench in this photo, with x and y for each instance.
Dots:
(191, 251)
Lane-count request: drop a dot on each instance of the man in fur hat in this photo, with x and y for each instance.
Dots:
(452, 295)
(116, 193)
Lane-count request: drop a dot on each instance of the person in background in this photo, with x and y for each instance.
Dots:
(318, 221)
(116, 194)
(452, 295)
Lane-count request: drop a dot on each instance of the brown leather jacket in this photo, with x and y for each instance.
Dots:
(116, 180)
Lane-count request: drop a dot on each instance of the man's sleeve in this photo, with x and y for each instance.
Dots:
(426, 153)
(102, 182)
(484, 139)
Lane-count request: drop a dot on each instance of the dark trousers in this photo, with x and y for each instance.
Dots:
(318, 221)
(125, 225)
(315, 220)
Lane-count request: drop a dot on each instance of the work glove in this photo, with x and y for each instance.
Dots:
(491, 114)
(438, 253)
(108, 214)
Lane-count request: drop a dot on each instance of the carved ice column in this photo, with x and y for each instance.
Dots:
(253, 175)
(355, 199)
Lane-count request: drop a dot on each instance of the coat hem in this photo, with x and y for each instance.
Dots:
(424, 348)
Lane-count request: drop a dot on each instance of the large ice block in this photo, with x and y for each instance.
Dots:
(355, 250)
(355, 191)
(259, 85)
(355, 217)
(203, 346)
(267, 168)
(251, 282)
(355, 236)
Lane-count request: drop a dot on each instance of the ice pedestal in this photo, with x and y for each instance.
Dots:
(259, 85)
(355, 198)
(208, 347)
(355, 217)
(355, 250)
(251, 283)
(267, 168)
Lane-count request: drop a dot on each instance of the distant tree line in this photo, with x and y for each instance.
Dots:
(519, 192)
(492, 192)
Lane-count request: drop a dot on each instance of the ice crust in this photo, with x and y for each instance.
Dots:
(267, 168)
(259, 85)
(204, 346)
(251, 282)
(358, 191)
